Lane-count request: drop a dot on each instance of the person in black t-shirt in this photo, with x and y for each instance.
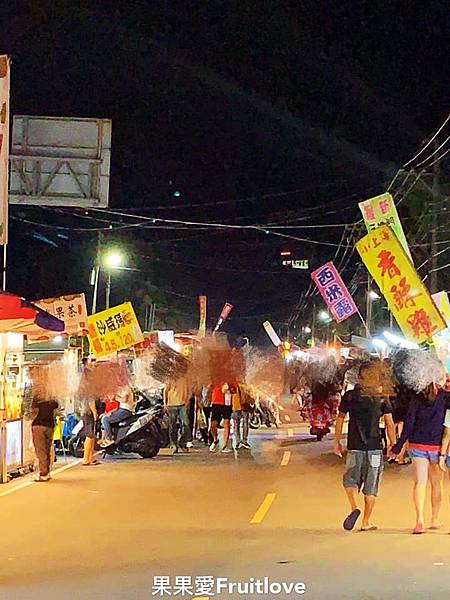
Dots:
(365, 406)
(43, 421)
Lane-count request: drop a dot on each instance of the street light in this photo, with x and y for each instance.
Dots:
(307, 329)
(111, 260)
(373, 295)
(324, 316)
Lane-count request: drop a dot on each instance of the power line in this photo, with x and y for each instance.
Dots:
(429, 142)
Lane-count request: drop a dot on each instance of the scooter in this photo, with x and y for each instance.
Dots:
(320, 421)
(143, 433)
(138, 433)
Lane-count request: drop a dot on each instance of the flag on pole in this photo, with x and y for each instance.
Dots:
(406, 295)
(334, 292)
(224, 315)
(274, 337)
(202, 300)
(4, 146)
(381, 210)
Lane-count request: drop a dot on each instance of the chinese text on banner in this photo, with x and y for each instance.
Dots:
(395, 275)
(70, 309)
(381, 210)
(114, 329)
(334, 292)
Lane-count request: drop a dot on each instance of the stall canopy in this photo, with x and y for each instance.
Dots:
(20, 316)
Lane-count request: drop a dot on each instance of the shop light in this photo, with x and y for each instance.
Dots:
(379, 343)
(396, 340)
(57, 339)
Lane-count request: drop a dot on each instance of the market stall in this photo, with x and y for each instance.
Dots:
(18, 318)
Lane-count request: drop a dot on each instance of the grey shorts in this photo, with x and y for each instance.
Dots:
(363, 471)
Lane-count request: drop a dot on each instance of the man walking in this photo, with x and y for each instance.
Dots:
(176, 396)
(220, 409)
(364, 464)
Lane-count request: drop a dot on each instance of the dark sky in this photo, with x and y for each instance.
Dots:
(295, 105)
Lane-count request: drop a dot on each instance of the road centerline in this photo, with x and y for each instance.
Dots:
(263, 509)
(285, 459)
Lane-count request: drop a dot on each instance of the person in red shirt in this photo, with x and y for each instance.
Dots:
(220, 409)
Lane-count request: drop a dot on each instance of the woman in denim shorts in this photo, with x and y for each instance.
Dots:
(423, 429)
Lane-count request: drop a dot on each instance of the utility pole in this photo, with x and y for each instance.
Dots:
(369, 300)
(436, 193)
(96, 272)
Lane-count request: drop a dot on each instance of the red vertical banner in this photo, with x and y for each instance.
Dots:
(202, 302)
(4, 146)
(224, 315)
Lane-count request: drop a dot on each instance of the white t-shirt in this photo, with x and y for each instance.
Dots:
(125, 398)
(447, 418)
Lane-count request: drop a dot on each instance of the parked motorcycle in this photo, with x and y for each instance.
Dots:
(143, 433)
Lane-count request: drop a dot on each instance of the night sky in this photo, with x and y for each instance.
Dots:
(249, 112)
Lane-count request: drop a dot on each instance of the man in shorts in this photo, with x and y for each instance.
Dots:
(364, 464)
(221, 408)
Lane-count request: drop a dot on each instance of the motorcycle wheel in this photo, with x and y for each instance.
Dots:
(76, 447)
(255, 420)
(148, 449)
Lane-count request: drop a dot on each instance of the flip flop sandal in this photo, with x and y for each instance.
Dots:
(350, 521)
(370, 528)
(418, 530)
(435, 527)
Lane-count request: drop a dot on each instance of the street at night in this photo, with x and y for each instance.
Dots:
(224, 300)
(107, 532)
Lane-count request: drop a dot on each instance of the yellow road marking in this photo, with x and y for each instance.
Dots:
(290, 432)
(25, 484)
(285, 459)
(287, 418)
(263, 508)
(200, 598)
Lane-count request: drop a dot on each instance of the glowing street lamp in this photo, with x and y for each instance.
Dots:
(324, 316)
(112, 260)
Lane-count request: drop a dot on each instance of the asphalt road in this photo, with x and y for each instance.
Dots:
(276, 512)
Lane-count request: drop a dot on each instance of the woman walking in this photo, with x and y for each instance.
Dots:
(423, 430)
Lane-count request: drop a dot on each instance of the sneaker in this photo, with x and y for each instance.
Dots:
(214, 446)
(246, 445)
(238, 446)
(189, 445)
(42, 478)
(226, 450)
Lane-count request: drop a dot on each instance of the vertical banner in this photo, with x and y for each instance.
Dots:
(442, 302)
(381, 210)
(224, 315)
(334, 292)
(274, 337)
(4, 147)
(407, 297)
(202, 300)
